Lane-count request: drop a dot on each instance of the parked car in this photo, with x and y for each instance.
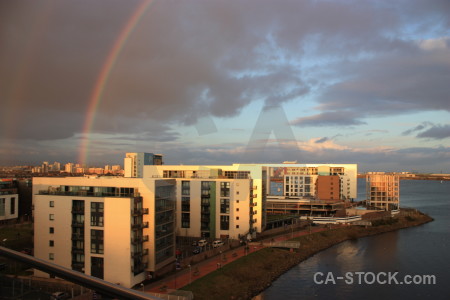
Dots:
(194, 243)
(202, 243)
(197, 250)
(217, 244)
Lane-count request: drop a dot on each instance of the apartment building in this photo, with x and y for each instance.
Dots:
(9, 200)
(383, 190)
(114, 228)
(134, 163)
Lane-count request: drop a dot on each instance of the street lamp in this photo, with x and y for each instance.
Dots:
(142, 285)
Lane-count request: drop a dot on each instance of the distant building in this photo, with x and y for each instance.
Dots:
(69, 168)
(328, 188)
(383, 190)
(134, 163)
(9, 200)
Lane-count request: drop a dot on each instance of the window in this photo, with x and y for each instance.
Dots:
(97, 241)
(2, 206)
(237, 218)
(224, 189)
(13, 206)
(225, 206)
(96, 213)
(185, 220)
(51, 243)
(237, 201)
(185, 204)
(185, 188)
(51, 217)
(237, 226)
(52, 230)
(52, 203)
(237, 209)
(224, 222)
(51, 256)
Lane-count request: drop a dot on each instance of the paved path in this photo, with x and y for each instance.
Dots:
(184, 277)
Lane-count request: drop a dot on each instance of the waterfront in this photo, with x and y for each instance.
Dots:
(420, 250)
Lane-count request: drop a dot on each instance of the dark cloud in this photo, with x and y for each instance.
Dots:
(419, 127)
(334, 118)
(437, 132)
(322, 140)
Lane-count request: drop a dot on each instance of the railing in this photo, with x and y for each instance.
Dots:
(88, 194)
(77, 224)
(77, 251)
(139, 211)
(78, 237)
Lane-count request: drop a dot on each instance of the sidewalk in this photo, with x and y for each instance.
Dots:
(184, 277)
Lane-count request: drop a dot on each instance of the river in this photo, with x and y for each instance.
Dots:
(422, 250)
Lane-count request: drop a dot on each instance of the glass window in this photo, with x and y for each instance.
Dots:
(51, 243)
(51, 256)
(52, 204)
(51, 217)
(52, 230)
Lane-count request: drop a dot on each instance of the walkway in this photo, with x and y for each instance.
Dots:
(184, 277)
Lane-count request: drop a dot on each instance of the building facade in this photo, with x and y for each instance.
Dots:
(383, 190)
(135, 162)
(9, 201)
(117, 229)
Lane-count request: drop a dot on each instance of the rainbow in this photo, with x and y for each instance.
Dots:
(102, 79)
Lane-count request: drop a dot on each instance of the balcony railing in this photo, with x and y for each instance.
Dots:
(77, 251)
(139, 239)
(77, 237)
(139, 211)
(89, 194)
(77, 224)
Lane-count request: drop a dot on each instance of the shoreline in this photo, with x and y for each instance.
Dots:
(251, 275)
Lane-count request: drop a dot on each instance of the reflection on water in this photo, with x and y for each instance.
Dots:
(423, 250)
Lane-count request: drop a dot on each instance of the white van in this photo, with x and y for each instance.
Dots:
(202, 243)
(217, 244)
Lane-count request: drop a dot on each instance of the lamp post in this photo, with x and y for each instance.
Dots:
(142, 285)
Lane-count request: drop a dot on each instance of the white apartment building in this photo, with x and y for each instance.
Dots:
(135, 161)
(114, 228)
(9, 200)
(278, 180)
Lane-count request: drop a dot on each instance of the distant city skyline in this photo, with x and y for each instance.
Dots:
(221, 82)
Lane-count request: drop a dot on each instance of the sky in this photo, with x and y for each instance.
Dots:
(220, 82)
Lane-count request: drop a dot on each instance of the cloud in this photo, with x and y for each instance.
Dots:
(322, 140)
(334, 118)
(419, 127)
(437, 132)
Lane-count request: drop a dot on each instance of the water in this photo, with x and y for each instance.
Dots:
(423, 250)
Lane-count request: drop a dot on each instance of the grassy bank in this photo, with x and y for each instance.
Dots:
(250, 275)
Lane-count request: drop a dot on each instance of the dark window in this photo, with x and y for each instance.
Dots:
(224, 189)
(185, 220)
(97, 214)
(13, 205)
(185, 188)
(185, 204)
(52, 230)
(52, 203)
(97, 241)
(224, 222)
(225, 206)
(97, 267)
(51, 243)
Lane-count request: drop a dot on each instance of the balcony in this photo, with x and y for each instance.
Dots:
(254, 188)
(253, 204)
(254, 196)
(77, 251)
(88, 194)
(77, 264)
(77, 224)
(77, 237)
(139, 239)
